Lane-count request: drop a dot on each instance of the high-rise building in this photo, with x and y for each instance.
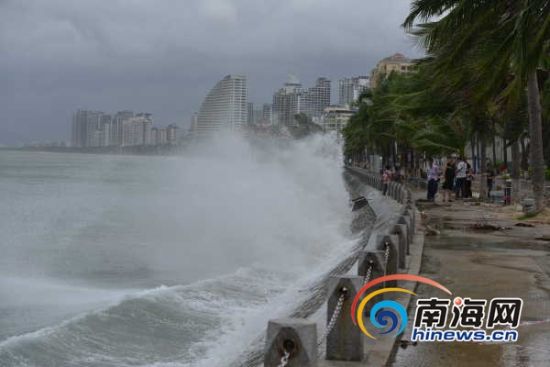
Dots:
(105, 127)
(225, 106)
(137, 130)
(288, 101)
(116, 127)
(250, 111)
(293, 99)
(351, 88)
(92, 129)
(86, 129)
(171, 134)
(267, 111)
(397, 63)
(318, 98)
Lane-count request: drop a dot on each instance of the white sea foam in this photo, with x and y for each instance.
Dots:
(239, 231)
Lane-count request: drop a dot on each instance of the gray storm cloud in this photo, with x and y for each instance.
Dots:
(163, 56)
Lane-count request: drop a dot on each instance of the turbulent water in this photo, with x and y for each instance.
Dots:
(163, 261)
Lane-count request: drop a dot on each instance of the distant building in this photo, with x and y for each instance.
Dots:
(317, 98)
(267, 111)
(335, 118)
(116, 127)
(250, 111)
(171, 134)
(137, 130)
(288, 101)
(96, 129)
(397, 63)
(349, 89)
(105, 130)
(86, 126)
(161, 137)
(293, 99)
(225, 106)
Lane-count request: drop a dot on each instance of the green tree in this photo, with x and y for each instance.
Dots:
(497, 36)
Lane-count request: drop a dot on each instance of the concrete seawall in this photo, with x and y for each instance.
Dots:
(394, 245)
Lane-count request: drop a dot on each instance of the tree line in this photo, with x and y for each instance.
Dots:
(485, 74)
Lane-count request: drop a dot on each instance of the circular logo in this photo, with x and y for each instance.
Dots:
(386, 315)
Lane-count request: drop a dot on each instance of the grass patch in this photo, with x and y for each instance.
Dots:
(543, 215)
(528, 216)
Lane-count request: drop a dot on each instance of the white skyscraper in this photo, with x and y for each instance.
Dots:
(225, 106)
(351, 88)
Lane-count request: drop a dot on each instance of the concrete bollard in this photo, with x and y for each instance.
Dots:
(410, 214)
(412, 210)
(405, 219)
(345, 341)
(400, 230)
(297, 337)
(400, 194)
(385, 242)
(373, 260)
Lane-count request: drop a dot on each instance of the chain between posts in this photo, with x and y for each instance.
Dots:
(386, 258)
(284, 359)
(335, 315)
(368, 274)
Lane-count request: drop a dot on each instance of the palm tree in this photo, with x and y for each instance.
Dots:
(510, 34)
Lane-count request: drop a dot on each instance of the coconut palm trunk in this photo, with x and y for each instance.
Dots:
(483, 170)
(515, 172)
(494, 142)
(535, 137)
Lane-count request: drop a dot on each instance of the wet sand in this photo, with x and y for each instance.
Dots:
(485, 264)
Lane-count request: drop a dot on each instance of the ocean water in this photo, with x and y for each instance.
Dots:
(164, 261)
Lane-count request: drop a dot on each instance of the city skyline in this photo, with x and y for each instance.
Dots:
(64, 56)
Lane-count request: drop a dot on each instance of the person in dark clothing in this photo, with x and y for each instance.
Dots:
(448, 185)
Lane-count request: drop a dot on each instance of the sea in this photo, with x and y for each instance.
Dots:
(112, 260)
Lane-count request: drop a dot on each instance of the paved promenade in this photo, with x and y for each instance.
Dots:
(509, 262)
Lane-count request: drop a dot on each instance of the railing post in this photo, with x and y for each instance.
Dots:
(400, 230)
(371, 266)
(402, 195)
(345, 341)
(389, 245)
(411, 213)
(294, 338)
(406, 219)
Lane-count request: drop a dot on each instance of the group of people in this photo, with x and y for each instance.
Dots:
(458, 177)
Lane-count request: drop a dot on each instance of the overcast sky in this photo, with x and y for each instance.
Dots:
(162, 56)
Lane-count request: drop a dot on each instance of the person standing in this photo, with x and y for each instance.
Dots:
(448, 185)
(386, 179)
(433, 181)
(461, 173)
